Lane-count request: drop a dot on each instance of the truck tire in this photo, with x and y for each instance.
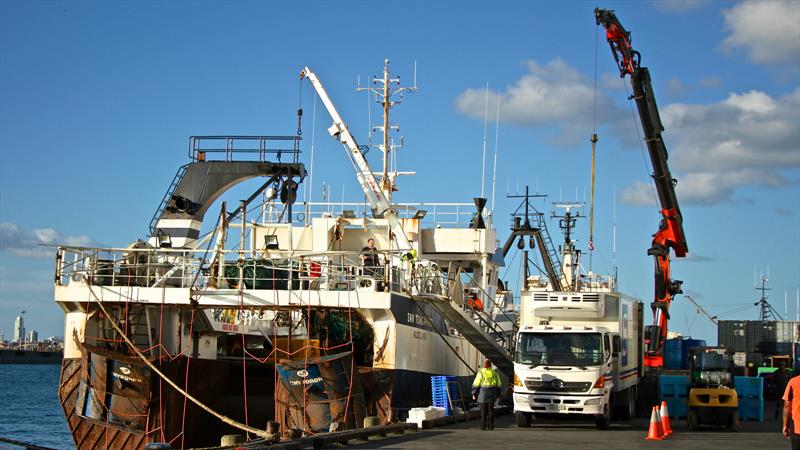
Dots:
(692, 420)
(523, 419)
(603, 421)
(733, 422)
(625, 404)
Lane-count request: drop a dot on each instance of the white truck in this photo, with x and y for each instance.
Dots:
(578, 353)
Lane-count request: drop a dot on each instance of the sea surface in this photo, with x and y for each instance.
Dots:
(31, 412)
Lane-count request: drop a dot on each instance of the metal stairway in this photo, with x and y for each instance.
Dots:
(477, 327)
(165, 201)
(550, 257)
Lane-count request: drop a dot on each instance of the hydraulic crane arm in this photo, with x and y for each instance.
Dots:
(670, 234)
(380, 205)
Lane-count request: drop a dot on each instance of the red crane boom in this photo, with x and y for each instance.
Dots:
(670, 233)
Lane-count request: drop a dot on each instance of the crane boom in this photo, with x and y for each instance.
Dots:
(670, 234)
(377, 200)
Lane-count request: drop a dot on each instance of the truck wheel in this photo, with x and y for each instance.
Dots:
(625, 405)
(523, 419)
(733, 422)
(692, 420)
(602, 422)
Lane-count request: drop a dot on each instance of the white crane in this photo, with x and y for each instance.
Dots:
(372, 189)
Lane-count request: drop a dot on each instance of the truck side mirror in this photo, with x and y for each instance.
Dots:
(616, 345)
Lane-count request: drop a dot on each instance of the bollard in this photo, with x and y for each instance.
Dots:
(273, 427)
(294, 433)
(231, 439)
(371, 421)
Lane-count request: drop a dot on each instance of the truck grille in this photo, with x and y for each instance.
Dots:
(569, 386)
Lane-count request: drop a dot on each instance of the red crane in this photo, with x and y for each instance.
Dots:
(670, 233)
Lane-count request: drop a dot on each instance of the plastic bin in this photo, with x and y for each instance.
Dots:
(674, 390)
(750, 391)
(673, 354)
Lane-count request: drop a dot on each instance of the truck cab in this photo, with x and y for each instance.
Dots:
(578, 353)
(565, 370)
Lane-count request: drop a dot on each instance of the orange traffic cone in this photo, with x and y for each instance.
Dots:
(654, 433)
(665, 423)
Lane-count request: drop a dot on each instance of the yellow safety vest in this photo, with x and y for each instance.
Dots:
(486, 378)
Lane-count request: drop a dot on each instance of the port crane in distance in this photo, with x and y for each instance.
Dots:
(670, 234)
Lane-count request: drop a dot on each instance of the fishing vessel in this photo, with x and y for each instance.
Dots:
(271, 316)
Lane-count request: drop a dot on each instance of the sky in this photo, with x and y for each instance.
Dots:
(98, 99)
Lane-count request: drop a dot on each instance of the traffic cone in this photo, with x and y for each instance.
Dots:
(654, 433)
(665, 423)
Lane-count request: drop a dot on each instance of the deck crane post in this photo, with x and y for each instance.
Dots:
(670, 234)
(381, 207)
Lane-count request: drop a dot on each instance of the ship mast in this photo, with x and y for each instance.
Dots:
(384, 93)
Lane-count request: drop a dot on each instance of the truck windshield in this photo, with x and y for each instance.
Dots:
(560, 349)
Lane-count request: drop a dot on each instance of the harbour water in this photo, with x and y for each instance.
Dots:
(31, 412)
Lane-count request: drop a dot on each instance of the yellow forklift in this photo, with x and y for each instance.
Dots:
(712, 399)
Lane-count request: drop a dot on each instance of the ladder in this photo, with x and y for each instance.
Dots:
(550, 258)
(165, 201)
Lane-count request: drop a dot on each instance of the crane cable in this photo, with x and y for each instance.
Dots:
(594, 144)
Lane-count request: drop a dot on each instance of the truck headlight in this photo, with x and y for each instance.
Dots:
(593, 401)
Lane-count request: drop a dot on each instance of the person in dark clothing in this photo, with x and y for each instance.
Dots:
(370, 259)
(486, 390)
(781, 378)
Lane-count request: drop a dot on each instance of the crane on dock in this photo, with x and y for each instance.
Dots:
(670, 234)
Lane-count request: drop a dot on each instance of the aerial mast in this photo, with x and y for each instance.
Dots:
(384, 92)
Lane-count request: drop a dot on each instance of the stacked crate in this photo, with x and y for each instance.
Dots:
(440, 386)
(750, 391)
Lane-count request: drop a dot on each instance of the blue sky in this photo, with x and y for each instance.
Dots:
(97, 100)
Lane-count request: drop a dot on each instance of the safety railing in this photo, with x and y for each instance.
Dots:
(245, 148)
(445, 215)
(151, 267)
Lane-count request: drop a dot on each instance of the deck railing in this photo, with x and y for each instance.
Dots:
(178, 268)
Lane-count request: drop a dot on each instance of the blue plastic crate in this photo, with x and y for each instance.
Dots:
(674, 390)
(750, 391)
(439, 391)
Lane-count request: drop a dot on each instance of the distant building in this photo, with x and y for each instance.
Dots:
(33, 336)
(19, 329)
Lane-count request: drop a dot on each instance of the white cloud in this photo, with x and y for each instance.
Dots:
(678, 5)
(749, 130)
(552, 95)
(767, 31)
(638, 194)
(32, 243)
(744, 140)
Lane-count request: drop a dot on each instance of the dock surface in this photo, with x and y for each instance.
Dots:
(577, 435)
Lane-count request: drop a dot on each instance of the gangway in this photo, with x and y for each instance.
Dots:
(474, 331)
(478, 327)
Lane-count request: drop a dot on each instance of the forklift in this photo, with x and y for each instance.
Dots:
(712, 399)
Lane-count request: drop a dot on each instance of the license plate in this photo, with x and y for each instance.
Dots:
(558, 406)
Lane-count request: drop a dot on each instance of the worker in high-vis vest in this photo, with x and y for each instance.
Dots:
(486, 390)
